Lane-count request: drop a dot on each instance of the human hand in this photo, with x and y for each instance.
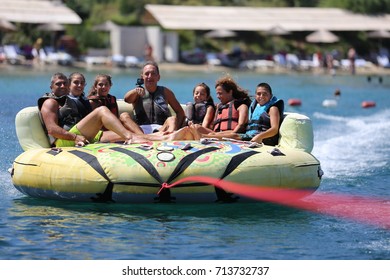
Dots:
(140, 91)
(80, 141)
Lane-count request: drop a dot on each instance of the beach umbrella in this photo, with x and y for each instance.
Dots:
(105, 26)
(51, 27)
(379, 34)
(277, 30)
(322, 36)
(5, 25)
(220, 33)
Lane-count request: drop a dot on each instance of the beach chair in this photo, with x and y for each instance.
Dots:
(12, 55)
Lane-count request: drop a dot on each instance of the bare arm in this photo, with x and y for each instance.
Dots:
(49, 112)
(132, 95)
(242, 119)
(172, 101)
(208, 119)
(273, 130)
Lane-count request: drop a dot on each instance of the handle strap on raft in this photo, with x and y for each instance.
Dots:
(187, 160)
(223, 196)
(143, 161)
(94, 163)
(236, 161)
(163, 193)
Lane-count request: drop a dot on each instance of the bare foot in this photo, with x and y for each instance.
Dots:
(184, 133)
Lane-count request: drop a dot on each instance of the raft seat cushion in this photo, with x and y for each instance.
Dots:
(29, 129)
(296, 132)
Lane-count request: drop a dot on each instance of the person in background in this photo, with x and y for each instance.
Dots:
(151, 103)
(77, 85)
(352, 57)
(148, 53)
(202, 110)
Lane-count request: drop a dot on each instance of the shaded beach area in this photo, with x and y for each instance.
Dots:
(369, 70)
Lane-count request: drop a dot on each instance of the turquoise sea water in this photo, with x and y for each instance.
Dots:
(351, 143)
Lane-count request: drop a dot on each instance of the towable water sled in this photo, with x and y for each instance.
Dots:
(136, 173)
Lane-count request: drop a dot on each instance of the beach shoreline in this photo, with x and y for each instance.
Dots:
(371, 70)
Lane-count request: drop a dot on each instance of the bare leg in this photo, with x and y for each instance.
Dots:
(184, 133)
(102, 116)
(169, 125)
(129, 124)
(202, 132)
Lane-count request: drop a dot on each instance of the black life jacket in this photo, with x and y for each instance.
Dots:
(198, 111)
(68, 113)
(109, 101)
(152, 108)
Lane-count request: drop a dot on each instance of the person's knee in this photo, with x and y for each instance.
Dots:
(124, 116)
(101, 110)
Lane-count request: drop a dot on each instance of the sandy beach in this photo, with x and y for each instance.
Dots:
(369, 70)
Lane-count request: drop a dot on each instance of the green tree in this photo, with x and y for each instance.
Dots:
(359, 6)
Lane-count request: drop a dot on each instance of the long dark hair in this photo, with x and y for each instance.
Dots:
(92, 91)
(228, 83)
(208, 92)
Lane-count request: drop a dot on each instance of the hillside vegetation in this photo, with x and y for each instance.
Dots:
(130, 13)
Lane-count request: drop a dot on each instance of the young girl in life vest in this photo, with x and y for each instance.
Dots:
(202, 110)
(76, 93)
(99, 94)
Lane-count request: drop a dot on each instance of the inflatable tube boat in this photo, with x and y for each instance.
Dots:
(136, 173)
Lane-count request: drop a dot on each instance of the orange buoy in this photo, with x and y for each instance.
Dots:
(368, 104)
(294, 102)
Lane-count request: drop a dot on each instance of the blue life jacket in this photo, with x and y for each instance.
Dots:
(259, 119)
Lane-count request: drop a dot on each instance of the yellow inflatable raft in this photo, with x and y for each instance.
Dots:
(135, 173)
